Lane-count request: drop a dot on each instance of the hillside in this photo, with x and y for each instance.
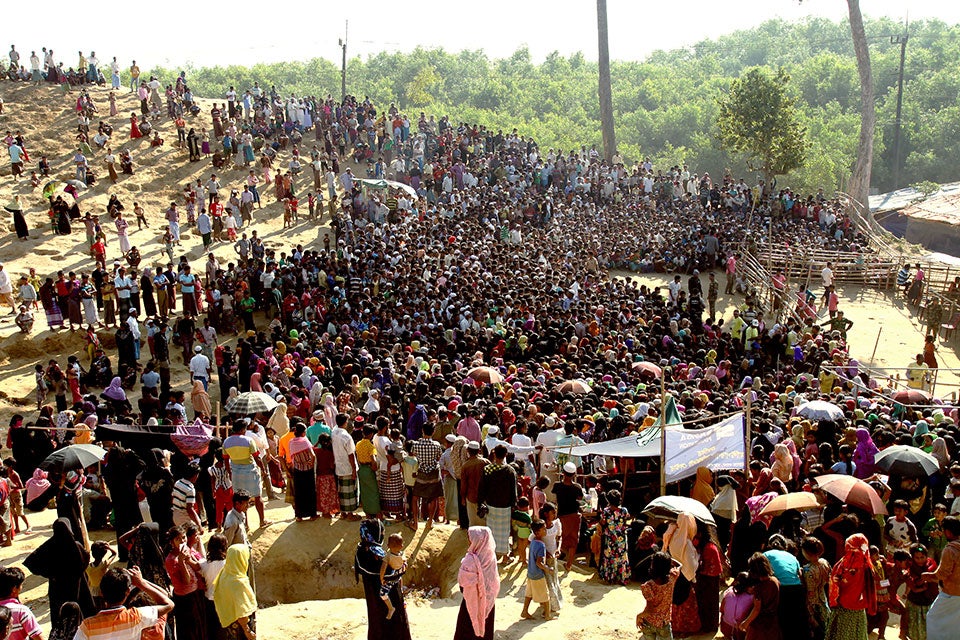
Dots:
(46, 116)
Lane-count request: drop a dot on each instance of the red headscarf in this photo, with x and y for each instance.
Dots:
(851, 582)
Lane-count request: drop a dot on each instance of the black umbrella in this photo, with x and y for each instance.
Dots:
(73, 457)
(904, 460)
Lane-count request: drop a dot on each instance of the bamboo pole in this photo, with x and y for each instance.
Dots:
(663, 435)
(875, 345)
(746, 434)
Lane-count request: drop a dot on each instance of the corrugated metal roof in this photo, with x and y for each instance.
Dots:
(940, 207)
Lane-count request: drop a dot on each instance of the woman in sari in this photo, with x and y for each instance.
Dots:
(134, 127)
(48, 298)
(852, 591)
(480, 583)
(367, 563)
(327, 502)
(233, 596)
(303, 466)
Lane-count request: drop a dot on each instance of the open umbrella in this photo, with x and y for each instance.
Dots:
(852, 491)
(250, 402)
(486, 375)
(912, 396)
(76, 184)
(647, 368)
(52, 188)
(799, 501)
(820, 410)
(14, 205)
(574, 386)
(904, 460)
(669, 507)
(73, 457)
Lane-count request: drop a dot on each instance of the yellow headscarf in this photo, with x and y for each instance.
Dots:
(232, 593)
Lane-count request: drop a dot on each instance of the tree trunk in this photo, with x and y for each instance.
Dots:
(859, 187)
(606, 98)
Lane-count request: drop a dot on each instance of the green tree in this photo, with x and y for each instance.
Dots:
(759, 119)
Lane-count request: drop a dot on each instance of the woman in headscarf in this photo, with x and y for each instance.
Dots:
(372, 406)
(143, 547)
(115, 393)
(645, 546)
(864, 454)
(39, 491)
(63, 562)
(702, 489)
(233, 596)
(480, 583)
(367, 563)
(852, 591)
(919, 431)
(782, 467)
(678, 541)
(303, 466)
(725, 508)
(415, 424)
(279, 421)
(157, 482)
(330, 411)
(200, 400)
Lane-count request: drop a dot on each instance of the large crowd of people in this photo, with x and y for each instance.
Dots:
(417, 356)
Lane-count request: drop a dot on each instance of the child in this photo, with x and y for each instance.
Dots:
(538, 496)
(16, 496)
(311, 204)
(222, 490)
(654, 620)
(932, 531)
(537, 571)
(287, 213)
(816, 577)
(141, 217)
(521, 528)
(552, 541)
(294, 203)
(920, 593)
(394, 563)
(99, 563)
(735, 606)
(899, 532)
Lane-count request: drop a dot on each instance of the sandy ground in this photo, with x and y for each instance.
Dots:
(594, 610)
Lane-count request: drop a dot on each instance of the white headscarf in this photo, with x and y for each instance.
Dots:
(678, 540)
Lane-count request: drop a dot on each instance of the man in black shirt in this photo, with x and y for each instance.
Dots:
(498, 491)
(569, 494)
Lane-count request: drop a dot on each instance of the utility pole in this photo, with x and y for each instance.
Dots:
(902, 41)
(343, 64)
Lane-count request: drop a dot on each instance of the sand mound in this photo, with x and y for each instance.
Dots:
(300, 561)
(52, 345)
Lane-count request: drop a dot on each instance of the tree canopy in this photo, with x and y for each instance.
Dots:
(759, 120)
(666, 106)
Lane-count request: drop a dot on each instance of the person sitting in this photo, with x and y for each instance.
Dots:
(133, 257)
(126, 162)
(24, 319)
(157, 141)
(145, 126)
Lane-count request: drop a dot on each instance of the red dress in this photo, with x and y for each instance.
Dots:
(327, 501)
(134, 129)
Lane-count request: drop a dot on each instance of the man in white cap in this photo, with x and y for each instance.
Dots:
(569, 494)
(492, 440)
(200, 367)
(470, 475)
(448, 477)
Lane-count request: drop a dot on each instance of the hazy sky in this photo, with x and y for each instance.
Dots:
(197, 32)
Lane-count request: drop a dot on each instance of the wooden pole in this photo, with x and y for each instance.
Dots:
(220, 431)
(663, 434)
(875, 345)
(746, 435)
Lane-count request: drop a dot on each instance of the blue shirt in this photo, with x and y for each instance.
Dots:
(537, 550)
(786, 567)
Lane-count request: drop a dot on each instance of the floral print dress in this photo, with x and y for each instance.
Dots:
(614, 559)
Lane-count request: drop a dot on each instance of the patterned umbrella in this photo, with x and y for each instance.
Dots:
(486, 375)
(852, 491)
(574, 386)
(250, 402)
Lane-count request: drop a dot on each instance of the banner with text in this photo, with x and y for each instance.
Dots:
(718, 448)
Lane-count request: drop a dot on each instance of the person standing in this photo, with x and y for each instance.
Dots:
(730, 269)
(713, 287)
(242, 453)
(345, 462)
(944, 613)
(470, 474)
(427, 489)
(366, 565)
(234, 598)
(498, 492)
(852, 591)
(480, 583)
(569, 495)
(303, 462)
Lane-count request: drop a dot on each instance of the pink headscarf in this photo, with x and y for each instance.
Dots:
(37, 485)
(478, 577)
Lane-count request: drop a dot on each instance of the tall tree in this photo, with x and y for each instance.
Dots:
(859, 187)
(758, 119)
(606, 95)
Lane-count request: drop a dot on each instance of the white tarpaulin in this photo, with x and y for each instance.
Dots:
(718, 447)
